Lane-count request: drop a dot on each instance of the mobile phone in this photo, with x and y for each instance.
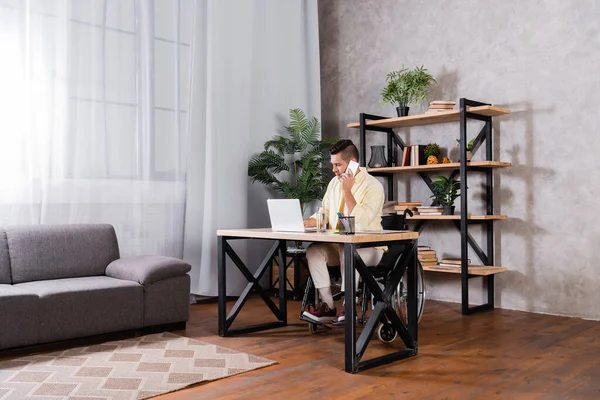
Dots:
(352, 166)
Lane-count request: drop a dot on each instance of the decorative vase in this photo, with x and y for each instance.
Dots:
(402, 111)
(377, 157)
(448, 210)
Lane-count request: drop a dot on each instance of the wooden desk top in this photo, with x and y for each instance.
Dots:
(328, 237)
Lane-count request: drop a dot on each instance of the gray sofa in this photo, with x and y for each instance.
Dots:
(61, 282)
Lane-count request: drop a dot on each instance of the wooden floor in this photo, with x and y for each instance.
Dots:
(498, 354)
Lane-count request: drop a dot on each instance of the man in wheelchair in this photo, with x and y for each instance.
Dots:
(359, 195)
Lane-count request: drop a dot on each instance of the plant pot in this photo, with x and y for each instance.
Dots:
(469, 155)
(402, 111)
(448, 210)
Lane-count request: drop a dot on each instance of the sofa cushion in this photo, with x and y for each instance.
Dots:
(147, 269)
(4, 260)
(19, 316)
(78, 307)
(43, 252)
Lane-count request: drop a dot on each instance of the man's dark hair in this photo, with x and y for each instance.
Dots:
(346, 148)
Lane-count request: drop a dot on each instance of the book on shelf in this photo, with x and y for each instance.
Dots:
(436, 110)
(441, 106)
(443, 102)
(429, 263)
(426, 252)
(409, 203)
(406, 157)
(412, 206)
(430, 213)
(456, 261)
(417, 155)
(423, 247)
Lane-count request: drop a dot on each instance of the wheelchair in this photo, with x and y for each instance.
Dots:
(385, 332)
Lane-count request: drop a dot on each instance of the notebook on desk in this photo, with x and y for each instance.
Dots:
(286, 216)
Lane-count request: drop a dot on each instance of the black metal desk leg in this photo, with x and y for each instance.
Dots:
(351, 363)
(282, 282)
(412, 294)
(222, 285)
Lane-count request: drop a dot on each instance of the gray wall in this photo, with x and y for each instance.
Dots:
(541, 60)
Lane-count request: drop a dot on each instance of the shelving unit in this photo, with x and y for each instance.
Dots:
(468, 109)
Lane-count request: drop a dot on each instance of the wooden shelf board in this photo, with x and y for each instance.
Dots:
(473, 269)
(426, 119)
(440, 167)
(471, 217)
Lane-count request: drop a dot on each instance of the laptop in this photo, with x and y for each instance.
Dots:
(286, 216)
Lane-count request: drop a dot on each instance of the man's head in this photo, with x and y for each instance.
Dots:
(341, 154)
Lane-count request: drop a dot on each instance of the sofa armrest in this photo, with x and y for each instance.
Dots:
(147, 269)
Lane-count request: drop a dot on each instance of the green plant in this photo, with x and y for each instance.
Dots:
(469, 145)
(294, 165)
(405, 87)
(445, 190)
(432, 149)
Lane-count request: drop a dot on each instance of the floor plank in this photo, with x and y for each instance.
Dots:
(493, 355)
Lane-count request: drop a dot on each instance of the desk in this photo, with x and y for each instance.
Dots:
(354, 349)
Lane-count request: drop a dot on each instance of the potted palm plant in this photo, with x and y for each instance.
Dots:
(294, 165)
(445, 192)
(406, 87)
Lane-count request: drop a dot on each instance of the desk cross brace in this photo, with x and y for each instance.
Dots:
(253, 283)
(384, 310)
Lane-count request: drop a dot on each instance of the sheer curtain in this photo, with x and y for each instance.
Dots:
(94, 106)
(254, 60)
(96, 101)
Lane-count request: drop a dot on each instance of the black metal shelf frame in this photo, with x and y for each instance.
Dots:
(466, 240)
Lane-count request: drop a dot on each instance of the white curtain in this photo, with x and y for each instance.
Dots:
(254, 60)
(94, 110)
(96, 98)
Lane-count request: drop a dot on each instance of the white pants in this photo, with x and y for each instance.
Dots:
(321, 255)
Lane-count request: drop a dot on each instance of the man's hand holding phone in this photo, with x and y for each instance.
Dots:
(347, 178)
(352, 168)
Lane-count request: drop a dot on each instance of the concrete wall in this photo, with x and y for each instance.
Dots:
(541, 60)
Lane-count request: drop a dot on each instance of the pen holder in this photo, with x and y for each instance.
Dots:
(347, 226)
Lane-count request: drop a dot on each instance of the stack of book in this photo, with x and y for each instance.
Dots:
(403, 205)
(413, 155)
(427, 256)
(440, 106)
(430, 210)
(452, 262)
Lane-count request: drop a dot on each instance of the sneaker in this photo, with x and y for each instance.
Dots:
(342, 316)
(321, 314)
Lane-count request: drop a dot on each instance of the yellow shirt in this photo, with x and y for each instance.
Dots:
(369, 196)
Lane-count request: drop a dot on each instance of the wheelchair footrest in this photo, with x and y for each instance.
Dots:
(310, 321)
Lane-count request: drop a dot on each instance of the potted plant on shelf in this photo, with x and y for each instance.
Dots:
(469, 148)
(406, 87)
(432, 152)
(445, 192)
(294, 165)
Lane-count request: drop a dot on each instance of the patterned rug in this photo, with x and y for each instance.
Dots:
(130, 369)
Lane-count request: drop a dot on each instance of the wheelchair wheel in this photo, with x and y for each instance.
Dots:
(386, 333)
(402, 294)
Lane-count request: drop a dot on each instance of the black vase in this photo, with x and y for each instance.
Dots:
(448, 210)
(402, 111)
(377, 157)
